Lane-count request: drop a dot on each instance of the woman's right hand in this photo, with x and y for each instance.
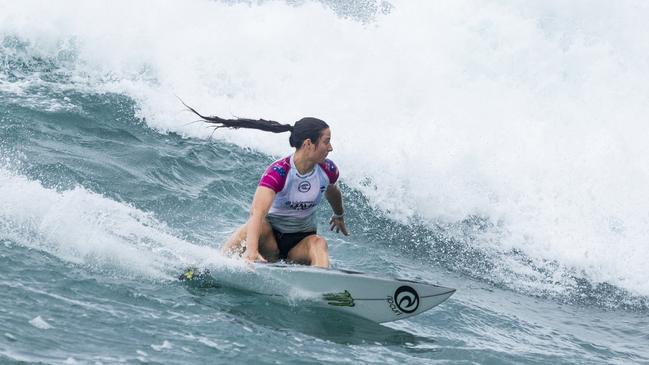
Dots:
(253, 256)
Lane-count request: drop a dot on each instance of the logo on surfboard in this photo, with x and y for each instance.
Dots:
(343, 299)
(405, 300)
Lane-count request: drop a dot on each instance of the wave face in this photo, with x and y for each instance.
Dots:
(495, 148)
(526, 117)
(496, 144)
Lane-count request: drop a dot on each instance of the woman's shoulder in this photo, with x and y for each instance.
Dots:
(275, 175)
(330, 168)
(281, 166)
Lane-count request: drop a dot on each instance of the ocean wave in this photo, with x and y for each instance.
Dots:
(85, 228)
(528, 117)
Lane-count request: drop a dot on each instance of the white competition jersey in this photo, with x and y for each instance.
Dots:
(293, 209)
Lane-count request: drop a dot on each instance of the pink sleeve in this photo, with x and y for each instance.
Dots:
(275, 175)
(331, 170)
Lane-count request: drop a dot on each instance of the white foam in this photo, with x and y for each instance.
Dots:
(165, 345)
(87, 228)
(39, 322)
(529, 114)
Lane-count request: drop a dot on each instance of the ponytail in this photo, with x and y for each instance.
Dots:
(305, 128)
(260, 124)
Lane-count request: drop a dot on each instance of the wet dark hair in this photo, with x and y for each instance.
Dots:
(305, 128)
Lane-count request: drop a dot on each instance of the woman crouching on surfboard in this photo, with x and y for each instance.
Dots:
(282, 216)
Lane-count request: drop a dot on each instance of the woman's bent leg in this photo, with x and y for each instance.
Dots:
(312, 250)
(235, 244)
(267, 244)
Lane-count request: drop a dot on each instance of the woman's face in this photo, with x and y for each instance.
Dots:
(323, 147)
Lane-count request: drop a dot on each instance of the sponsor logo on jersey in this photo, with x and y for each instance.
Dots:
(304, 186)
(300, 205)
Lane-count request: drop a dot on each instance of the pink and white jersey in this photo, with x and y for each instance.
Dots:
(293, 209)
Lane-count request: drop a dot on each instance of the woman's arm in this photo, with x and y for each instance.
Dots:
(260, 206)
(335, 199)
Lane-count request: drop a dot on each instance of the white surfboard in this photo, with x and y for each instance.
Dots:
(374, 298)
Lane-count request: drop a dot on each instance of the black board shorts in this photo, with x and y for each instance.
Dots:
(286, 241)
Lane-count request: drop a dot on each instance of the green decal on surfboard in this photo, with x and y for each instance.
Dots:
(343, 299)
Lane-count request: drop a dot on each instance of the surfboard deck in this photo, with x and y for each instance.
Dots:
(378, 299)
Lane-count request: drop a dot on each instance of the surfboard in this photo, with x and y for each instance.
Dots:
(378, 299)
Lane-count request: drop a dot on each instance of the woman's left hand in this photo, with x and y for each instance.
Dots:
(339, 224)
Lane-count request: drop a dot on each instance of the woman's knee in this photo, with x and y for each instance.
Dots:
(318, 244)
(235, 242)
(242, 232)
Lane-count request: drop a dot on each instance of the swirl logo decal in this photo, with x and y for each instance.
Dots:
(304, 186)
(406, 299)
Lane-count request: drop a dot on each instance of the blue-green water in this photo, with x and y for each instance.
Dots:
(536, 214)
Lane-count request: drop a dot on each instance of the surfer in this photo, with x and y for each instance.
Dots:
(282, 225)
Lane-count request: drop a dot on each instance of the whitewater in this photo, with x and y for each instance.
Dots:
(495, 147)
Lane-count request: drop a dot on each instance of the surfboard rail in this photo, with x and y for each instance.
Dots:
(375, 298)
